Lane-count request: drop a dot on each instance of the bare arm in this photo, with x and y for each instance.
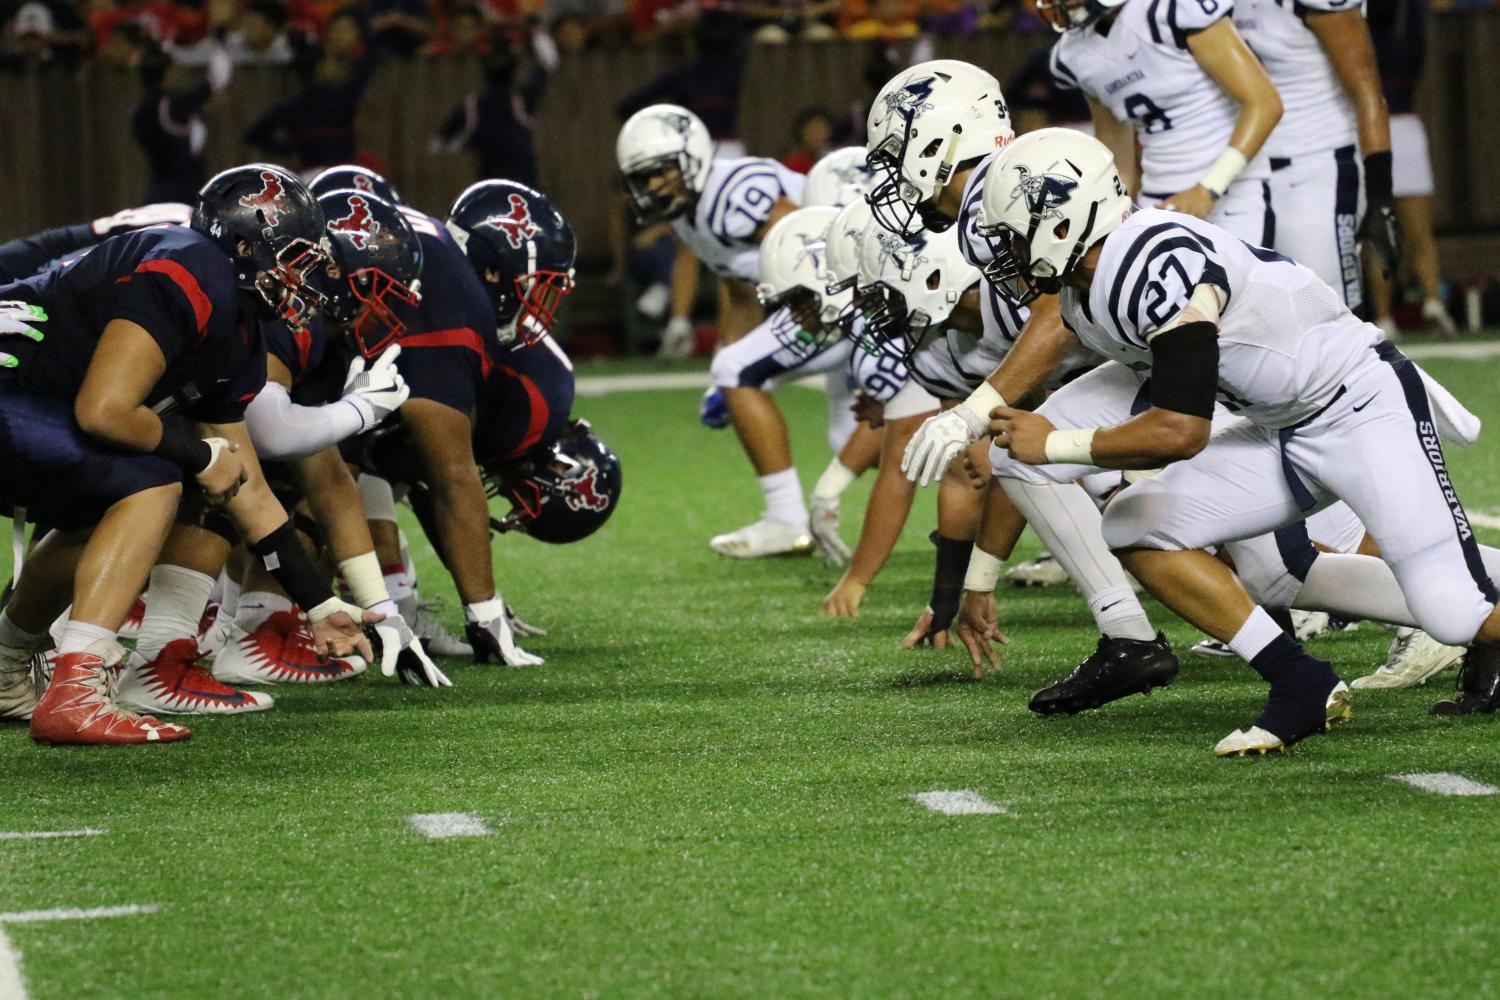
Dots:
(889, 504)
(684, 282)
(126, 366)
(1345, 38)
(1228, 61)
(783, 207)
(334, 500)
(1119, 137)
(441, 435)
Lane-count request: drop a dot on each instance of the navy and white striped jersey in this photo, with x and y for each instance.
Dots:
(736, 201)
(1286, 341)
(1317, 114)
(1139, 66)
(975, 248)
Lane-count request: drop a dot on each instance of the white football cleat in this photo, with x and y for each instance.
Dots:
(1043, 571)
(1255, 740)
(1414, 658)
(435, 635)
(175, 683)
(1434, 312)
(764, 538)
(1211, 647)
(19, 687)
(280, 651)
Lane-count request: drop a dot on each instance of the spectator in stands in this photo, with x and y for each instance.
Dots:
(463, 33)
(1399, 30)
(812, 137)
(882, 20)
(168, 125)
(654, 18)
(314, 128)
(578, 24)
(346, 36)
(44, 34)
(252, 35)
(779, 21)
(497, 122)
(708, 84)
(179, 23)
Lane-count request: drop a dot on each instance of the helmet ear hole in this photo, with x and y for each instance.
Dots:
(934, 280)
(1060, 231)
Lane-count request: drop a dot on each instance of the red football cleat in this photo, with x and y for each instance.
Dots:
(132, 625)
(280, 652)
(78, 706)
(176, 684)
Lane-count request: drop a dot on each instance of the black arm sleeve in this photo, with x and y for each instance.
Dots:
(26, 256)
(1185, 369)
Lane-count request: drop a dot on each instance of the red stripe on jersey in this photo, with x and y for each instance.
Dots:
(540, 412)
(183, 279)
(458, 337)
(303, 336)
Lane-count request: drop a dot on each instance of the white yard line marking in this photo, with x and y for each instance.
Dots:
(1445, 783)
(1484, 518)
(49, 834)
(12, 984)
(603, 385)
(962, 803)
(437, 826)
(1478, 350)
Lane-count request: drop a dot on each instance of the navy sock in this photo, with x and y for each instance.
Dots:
(1300, 684)
(1283, 618)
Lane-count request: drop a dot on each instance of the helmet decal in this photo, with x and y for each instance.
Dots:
(583, 492)
(269, 199)
(359, 225)
(902, 253)
(813, 248)
(517, 226)
(363, 183)
(1045, 193)
(912, 99)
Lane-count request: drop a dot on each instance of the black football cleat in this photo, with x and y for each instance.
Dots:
(1478, 684)
(1116, 669)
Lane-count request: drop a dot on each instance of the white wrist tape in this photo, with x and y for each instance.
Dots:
(983, 572)
(982, 400)
(1070, 447)
(832, 484)
(485, 612)
(366, 582)
(1224, 170)
(333, 606)
(216, 447)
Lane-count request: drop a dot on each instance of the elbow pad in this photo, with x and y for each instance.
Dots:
(1185, 369)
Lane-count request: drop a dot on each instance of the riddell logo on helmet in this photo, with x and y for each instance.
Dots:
(517, 226)
(268, 199)
(359, 225)
(585, 494)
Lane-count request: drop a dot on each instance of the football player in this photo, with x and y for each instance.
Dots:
(721, 209)
(1178, 78)
(131, 372)
(21, 258)
(1330, 411)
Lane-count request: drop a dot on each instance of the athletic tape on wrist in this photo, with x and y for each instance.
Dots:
(1070, 447)
(1223, 172)
(982, 400)
(366, 581)
(983, 573)
(484, 612)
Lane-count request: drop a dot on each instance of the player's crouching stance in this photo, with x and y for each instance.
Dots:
(1330, 411)
(133, 390)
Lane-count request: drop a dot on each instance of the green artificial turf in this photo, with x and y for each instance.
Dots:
(705, 792)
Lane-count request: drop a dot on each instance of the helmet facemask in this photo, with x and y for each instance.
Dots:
(282, 279)
(808, 326)
(372, 323)
(896, 201)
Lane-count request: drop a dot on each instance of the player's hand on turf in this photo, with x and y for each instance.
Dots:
(1382, 232)
(823, 525)
(1022, 434)
(940, 437)
(1196, 200)
(225, 473)
(338, 628)
(377, 391)
(844, 600)
(927, 632)
(978, 628)
(519, 626)
(489, 631)
(401, 652)
(16, 319)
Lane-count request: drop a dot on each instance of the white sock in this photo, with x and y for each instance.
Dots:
(1070, 526)
(1353, 587)
(229, 595)
(1258, 632)
(79, 636)
(832, 483)
(175, 599)
(783, 492)
(258, 605)
(15, 637)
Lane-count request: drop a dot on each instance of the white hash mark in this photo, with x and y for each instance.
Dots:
(961, 803)
(437, 826)
(1445, 783)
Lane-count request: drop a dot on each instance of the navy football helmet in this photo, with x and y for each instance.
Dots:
(352, 177)
(376, 262)
(267, 209)
(523, 250)
(559, 494)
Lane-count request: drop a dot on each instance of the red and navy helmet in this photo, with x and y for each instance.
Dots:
(562, 493)
(352, 177)
(523, 250)
(268, 223)
(376, 262)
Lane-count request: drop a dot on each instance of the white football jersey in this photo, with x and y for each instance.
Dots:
(973, 246)
(1286, 341)
(952, 364)
(877, 374)
(1143, 72)
(737, 199)
(1316, 112)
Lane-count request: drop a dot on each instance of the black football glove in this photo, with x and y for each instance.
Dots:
(1380, 230)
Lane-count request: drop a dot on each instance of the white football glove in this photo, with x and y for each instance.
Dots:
(401, 652)
(377, 391)
(490, 633)
(823, 525)
(16, 319)
(520, 627)
(938, 440)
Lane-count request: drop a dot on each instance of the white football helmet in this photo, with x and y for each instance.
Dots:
(925, 122)
(909, 285)
(793, 262)
(654, 142)
(844, 238)
(1074, 15)
(839, 178)
(1054, 194)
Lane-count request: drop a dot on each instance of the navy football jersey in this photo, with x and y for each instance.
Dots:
(175, 284)
(527, 400)
(449, 345)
